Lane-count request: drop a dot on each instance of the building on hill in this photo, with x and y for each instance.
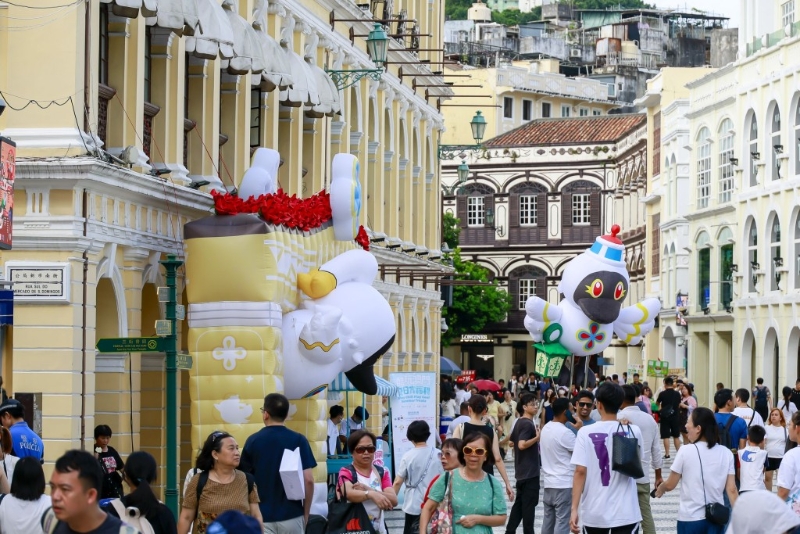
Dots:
(535, 197)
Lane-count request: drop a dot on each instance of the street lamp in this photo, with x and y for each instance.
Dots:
(377, 48)
(478, 126)
(489, 215)
(463, 173)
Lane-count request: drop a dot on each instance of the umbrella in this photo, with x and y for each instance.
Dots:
(448, 366)
(489, 385)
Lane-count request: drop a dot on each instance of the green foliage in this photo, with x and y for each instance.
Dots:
(450, 230)
(513, 17)
(457, 10)
(474, 306)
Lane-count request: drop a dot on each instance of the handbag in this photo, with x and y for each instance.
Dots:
(344, 516)
(717, 513)
(442, 519)
(625, 454)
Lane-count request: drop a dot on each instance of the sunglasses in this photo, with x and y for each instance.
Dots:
(585, 404)
(479, 451)
(216, 436)
(362, 449)
(448, 454)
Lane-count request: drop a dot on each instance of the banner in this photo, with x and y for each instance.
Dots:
(8, 170)
(657, 368)
(415, 400)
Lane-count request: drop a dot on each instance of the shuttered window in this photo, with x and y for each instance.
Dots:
(527, 288)
(527, 210)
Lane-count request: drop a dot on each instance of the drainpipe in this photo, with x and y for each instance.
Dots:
(87, 60)
(85, 258)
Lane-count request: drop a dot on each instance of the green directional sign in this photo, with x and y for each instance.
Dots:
(131, 344)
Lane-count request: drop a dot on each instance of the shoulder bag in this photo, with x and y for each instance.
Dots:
(717, 513)
(345, 516)
(625, 454)
(442, 518)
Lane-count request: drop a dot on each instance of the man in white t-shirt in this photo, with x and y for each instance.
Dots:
(463, 418)
(462, 395)
(750, 416)
(603, 500)
(334, 442)
(356, 422)
(556, 445)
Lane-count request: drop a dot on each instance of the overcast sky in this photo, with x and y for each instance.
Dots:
(731, 7)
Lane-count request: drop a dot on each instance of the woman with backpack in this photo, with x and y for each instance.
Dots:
(21, 511)
(786, 405)
(762, 399)
(218, 486)
(418, 467)
(363, 482)
(140, 508)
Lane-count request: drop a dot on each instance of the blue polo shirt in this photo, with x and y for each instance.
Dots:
(262, 455)
(25, 441)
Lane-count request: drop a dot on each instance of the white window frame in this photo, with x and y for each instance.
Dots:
(530, 109)
(581, 209)
(529, 290)
(508, 100)
(703, 171)
(566, 111)
(528, 213)
(583, 112)
(549, 110)
(796, 255)
(787, 13)
(725, 166)
(596, 112)
(476, 211)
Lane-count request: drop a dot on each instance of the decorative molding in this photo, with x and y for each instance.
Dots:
(109, 363)
(153, 361)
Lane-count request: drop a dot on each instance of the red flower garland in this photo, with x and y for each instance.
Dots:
(280, 209)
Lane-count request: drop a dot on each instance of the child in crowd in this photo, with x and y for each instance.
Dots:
(752, 460)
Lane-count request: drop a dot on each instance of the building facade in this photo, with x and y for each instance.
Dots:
(165, 107)
(552, 186)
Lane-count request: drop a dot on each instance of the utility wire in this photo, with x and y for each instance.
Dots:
(43, 7)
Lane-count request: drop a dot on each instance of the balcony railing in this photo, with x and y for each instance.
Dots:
(771, 39)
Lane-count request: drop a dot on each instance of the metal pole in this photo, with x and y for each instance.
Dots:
(171, 265)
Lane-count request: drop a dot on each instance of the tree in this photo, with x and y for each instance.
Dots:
(474, 306)
(514, 17)
(457, 10)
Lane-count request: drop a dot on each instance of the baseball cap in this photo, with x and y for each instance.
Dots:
(234, 522)
(361, 412)
(8, 404)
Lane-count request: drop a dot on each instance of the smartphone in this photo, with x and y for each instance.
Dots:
(570, 417)
(653, 493)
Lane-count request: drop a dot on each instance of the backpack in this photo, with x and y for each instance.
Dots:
(132, 516)
(201, 483)
(725, 434)
(761, 396)
(49, 522)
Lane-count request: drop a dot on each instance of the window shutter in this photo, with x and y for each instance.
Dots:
(513, 220)
(594, 208)
(566, 209)
(541, 210)
(488, 202)
(541, 287)
(461, 210)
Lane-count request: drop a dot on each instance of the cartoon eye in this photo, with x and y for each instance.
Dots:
(596, 289)
(619, 291)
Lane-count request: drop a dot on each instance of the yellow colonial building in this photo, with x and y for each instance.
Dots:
(127, 114)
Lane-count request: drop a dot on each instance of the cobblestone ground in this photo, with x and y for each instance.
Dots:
(665, 510)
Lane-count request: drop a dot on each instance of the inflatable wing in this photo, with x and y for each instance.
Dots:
(539, 315)
(635, 322)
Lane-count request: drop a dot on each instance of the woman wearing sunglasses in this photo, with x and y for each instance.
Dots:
(477, 497)
(367, 483)
(225, 488)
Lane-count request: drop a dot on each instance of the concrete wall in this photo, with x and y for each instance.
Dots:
(724, 44)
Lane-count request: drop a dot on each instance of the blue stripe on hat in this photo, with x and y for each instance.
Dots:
(610, 252)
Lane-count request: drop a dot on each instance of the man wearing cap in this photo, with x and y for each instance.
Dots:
(356, 422)
(25, 442)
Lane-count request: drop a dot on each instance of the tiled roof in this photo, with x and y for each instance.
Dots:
(570, 131)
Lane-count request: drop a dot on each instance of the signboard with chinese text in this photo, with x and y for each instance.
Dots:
(415, 401)
(657, 368)
(8, 170)
(465, 376)
(39, 281)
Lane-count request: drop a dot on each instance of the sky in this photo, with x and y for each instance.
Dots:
(729, 8)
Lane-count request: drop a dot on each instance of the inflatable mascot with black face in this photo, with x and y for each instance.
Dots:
(594, 286)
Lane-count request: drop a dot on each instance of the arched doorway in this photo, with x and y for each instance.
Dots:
(748, 363)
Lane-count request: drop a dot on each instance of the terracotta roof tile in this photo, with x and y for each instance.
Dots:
(569, 131)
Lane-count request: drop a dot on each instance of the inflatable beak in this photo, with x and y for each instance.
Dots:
(362, 376)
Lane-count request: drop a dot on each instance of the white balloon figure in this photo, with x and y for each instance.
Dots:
(594, 285)
(346, 327)
(262, 176)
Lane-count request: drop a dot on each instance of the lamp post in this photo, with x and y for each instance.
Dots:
(463, 174)
(478, 127)
(377, 48)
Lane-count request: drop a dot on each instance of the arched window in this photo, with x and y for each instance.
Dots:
(673, 273)
(753, 150)
(673, 176)
(704, 269)
(776, 142)
(726, 267)
(703, 168)
(796, 258)
(752, 255)
(796, 137)
(725, 166)
(776, 258)
(528, 213)
(473, 200)
(665, 276)
(525, 282)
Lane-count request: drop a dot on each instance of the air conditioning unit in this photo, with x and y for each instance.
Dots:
(575, 52)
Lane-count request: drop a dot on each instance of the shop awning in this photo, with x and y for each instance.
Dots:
(341, 383)
(131, 8)
(180, 16)
(276, 73)
(247, 54)
(213, 35)
(328, 95)
(303, 91)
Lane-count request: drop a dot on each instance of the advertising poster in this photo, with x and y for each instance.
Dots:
(657, 368)
(8, 167)
(415, 400)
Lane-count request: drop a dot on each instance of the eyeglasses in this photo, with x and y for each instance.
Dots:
(362, 449)
(585, 404)
(479, 451)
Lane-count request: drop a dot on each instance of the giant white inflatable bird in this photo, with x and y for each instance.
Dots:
(594, 285)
